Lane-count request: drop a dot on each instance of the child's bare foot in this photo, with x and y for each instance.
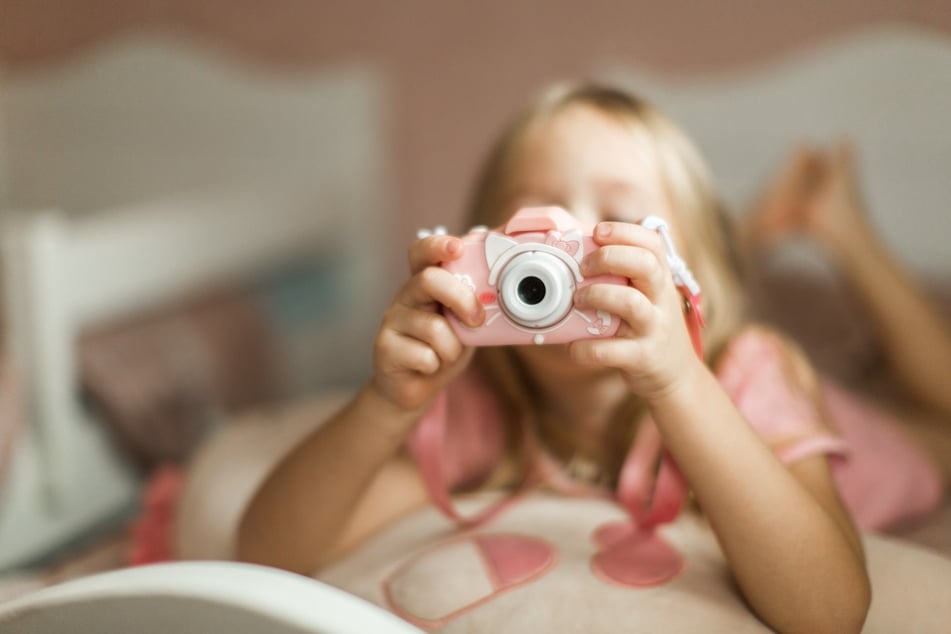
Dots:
(834, 213)
(780, 210)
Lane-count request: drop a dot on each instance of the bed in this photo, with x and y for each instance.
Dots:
(148, 174)
(812, 94)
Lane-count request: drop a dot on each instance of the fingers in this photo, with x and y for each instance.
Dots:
(433, 251)
(630, 251)
(608, 353)
(429, 328)
(434, 285)
(629, 304)
(397, 352)
(415, 335)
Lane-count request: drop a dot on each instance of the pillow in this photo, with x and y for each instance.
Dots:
(409, 565)
(160, 380)
(416, 566)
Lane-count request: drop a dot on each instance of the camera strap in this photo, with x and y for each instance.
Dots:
(428, 442)
(651, 487)
(684, 280)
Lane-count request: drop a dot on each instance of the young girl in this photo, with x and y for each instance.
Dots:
(745, 425)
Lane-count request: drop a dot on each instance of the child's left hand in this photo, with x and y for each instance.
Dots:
(652, 348)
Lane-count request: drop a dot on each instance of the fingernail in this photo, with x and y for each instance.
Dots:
(453, 247)
(604, 230)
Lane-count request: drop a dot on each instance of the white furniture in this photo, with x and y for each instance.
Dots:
(196, 598)
(182, 173)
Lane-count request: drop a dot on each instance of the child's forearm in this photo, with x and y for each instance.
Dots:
(299, 514)
(799, 566)
(915, 337)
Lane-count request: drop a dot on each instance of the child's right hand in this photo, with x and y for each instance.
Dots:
(416, 351)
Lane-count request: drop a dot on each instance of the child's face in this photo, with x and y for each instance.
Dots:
(598, 168)
(594, 165)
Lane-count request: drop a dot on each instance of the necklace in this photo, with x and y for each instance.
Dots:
(586, 471)
(599, 466)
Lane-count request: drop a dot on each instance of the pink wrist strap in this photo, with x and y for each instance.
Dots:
(429, 437)
(650, 499)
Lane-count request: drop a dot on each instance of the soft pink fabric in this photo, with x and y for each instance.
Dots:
(888, 480)
(507, 562)
(756, 375)
(514, 559)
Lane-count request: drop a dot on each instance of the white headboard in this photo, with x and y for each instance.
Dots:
(888, 89)
(143, 173)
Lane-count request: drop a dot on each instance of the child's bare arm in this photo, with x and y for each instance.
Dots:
(348, 478)
(791, 546)
(306, 507)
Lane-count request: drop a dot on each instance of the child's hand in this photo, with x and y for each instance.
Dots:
(652, 348)
(416, 352)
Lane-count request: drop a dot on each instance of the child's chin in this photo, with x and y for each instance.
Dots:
(547, 350)
(556, 354)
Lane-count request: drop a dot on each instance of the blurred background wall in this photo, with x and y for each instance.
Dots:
(454, 71)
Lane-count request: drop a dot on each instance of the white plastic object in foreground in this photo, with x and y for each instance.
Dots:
(197, 597)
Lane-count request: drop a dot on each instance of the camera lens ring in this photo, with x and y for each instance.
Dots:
(548, 286)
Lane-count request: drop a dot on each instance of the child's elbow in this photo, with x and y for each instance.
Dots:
(844, 613)
(255, 547)
(836, 608)
(250, 548)
(858, 605)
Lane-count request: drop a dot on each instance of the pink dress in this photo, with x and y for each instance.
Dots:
(883, 477)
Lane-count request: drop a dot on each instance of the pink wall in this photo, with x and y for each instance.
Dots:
(456, 70)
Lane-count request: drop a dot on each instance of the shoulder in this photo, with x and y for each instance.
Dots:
(772, 383)
(759, 351)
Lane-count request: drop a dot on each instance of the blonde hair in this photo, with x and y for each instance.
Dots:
(702, 221)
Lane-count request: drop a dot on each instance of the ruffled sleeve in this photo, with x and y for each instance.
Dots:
(758, 374)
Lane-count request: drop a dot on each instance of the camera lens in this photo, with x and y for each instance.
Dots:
(536, 290)
(531, 290)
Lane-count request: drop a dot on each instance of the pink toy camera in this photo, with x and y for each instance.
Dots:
(525, 274)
